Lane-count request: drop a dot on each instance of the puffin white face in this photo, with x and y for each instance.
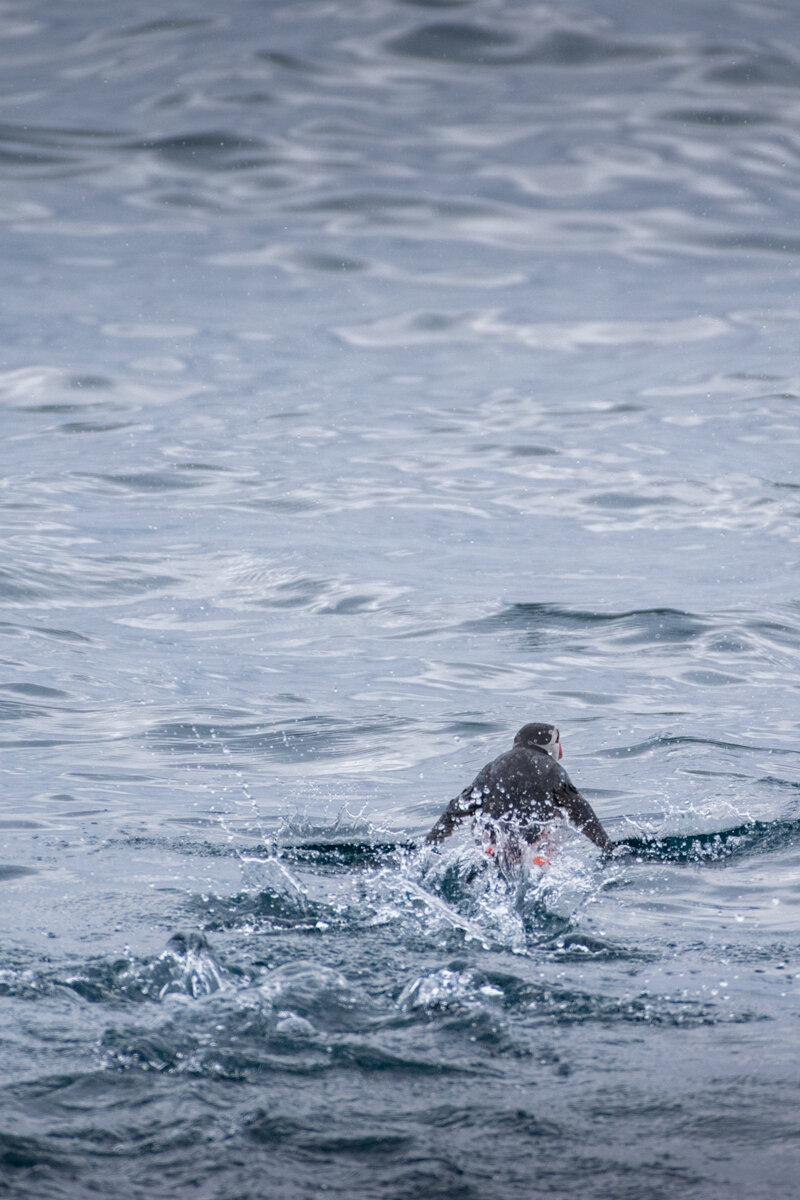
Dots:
(553, 747)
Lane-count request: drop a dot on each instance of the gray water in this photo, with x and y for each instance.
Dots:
(377, 377)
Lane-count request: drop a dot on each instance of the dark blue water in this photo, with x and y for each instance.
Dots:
(377, 377)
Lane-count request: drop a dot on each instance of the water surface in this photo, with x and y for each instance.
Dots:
(378, 377)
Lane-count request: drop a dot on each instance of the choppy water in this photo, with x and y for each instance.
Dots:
(377, 377)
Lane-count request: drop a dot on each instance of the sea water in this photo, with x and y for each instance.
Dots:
(377, 377)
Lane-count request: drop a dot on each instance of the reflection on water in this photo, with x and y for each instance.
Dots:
(376, 377)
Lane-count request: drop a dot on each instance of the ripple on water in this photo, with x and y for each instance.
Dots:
(330, 1134)
(475, 45)
(754, 67)
(305, 739)
(111, 579)
(543, 622)
(491, 326)
(746, 840)
(300, 1017)
(31, 150)
(46, 389)
(180, 477)
(9, 871)
(187, 967)
(212, 150)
